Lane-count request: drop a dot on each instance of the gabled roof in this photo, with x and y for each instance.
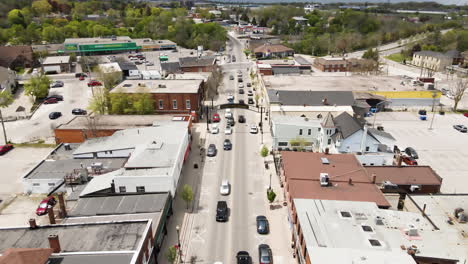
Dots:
(196, 61)
(347, 125)
(377, 133)
(328, 121)
(9, 53)
(272, 48)
(170, 67)
(25, 256)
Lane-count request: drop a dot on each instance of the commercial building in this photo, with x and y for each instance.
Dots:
(100, 45)
(437, 61)
(170, 96)
(49, 49)
(117, 242)
(346, 232)
(112, 69)
(129, 70)
(56, 64)
(148, 44)
(331, 64)
(197, 64)
(273, 51)
(7, 80)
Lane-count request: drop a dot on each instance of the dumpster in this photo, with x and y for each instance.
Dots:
(423, 117)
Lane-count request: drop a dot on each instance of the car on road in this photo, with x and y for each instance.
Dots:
(80, 74)
(56, 84)
(227, 144)
(222, 211)
(5, 148)
(79, 111)
(250, 100)
(409, 161)
(55, 115)
(94, 83)
(243, 257)
(241, 85)
(149, 63)
(233, 59)
(81, 78)
(50, 101)
(225, 188)
(230, 98)
(241, 119)
(253, 129)
(230, 121)
(411, 152)
(45, 204)
(231, 77)
(228, 130)
(249, 93)
(240, 80)
(55, 96)
(249, 84)
(241, 91)
(211, 152)
(264, 254)
(263, 226)
(216, 118)
(214, 129)
(460, 128)
(241, 101)
(228, 113)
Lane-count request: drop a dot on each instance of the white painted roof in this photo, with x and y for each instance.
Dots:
(158, 86)
(56, 60)
(110, 67)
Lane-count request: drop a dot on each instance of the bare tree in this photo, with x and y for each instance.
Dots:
(213, 83)
(458, 90)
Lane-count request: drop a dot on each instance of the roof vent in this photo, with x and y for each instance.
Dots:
(325, 161)
(379, 220)
(324, 179)
(162, 86)
(325, 101)
(412, 230)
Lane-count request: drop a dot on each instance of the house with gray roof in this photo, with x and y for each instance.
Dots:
(197, 64)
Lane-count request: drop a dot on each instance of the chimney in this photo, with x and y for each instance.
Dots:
(363, 140)
(350, 181)
(32, 223)
(327, 151)
(325, 101)
(50, 211)
(374, 178)
(399, 160)
(54, 243)
(63, 208)
(112, 187)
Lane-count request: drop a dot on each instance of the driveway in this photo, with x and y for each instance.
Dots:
(443, 148)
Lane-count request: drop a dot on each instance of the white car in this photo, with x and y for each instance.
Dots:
(249, 93)
(253, 129)
(230, 98)
(214, 129)
(228, 113)
(149, 63)
(228, 130)
(241, 85)
(225, 187)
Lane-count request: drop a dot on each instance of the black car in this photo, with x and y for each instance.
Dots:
(251, 101)
(241, 101)
(241, 91)
(249, 84)
(80, 74)
(240, 80)
(79, 111)
(264, 254)
(243, 257)
(230, 121)
(241, 119)
(56, 96)
(262, 225)
(55, 115)
(411, 152)
(222, 211)
(227, 145)
(211, 152)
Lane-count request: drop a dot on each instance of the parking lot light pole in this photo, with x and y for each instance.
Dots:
(434, 95)
(375, 114)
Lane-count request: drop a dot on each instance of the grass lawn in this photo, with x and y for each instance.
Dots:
(398, 57)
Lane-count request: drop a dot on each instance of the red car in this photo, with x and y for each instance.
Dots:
(5, 148)
(410, 161)
(94, 83)
(82, 78)
(50, 101)
(465, 114)
(216, 118)
(47, 203)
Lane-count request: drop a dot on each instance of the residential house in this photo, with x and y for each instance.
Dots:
(197, 64)
(295, 133)
(301, 21)
(327, 64)
(437, 61)
(56, 64)
(346, 232)
(16, 56)
(268, 50)
(170, 96)
(7, 80)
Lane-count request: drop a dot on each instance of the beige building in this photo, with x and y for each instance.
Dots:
(432, 60)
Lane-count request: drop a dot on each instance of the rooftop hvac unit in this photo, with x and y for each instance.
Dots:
(379, 220)
(161, 86)
(389, 185)
(96, 165)
(67, 146)
(324, 179)
(412, 230)
(414, 188)
(460, 215)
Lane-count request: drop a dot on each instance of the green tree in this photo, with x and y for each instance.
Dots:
(271, 195)
(264, 151)
(120, 103)
(15, 17)
(187, 194)
(371, 54)
(254, 21)
(299, 143)
(171, 254)
(37, 87)
(41, 7)
(6, 99)
(99, 102)
(143, 102)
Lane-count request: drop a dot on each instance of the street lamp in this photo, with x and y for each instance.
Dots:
(434, 95)
(178, 243)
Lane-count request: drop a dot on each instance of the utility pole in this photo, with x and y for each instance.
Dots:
(3, 126)
(434, 94)
(207, 117)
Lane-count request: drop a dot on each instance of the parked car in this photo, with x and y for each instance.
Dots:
(149, 63)
(55, 115)
(241, 101)
(253, 129)
(240, 80)
(56, 96)
(240, 85)
(214, 129)
(222, 211)
(94, 83)
(230, 121)
(228, 130)
(5, 148)
(251, 101)
(80, 74)
(264, 254)
(409, 161)
(263, 226)
(216, 118)
(411, 152)
(225, 187)
(243, 257)
(241, 91)
(227, 145)
(230, 98)
(465, 114)
(231, 77)
(56, 84)
(241, 119)
(50, 101)
(249, 93)
(228, 113)
(79, 111)
(249, 84)
(45, 204)
(460, 128)
(211, 152)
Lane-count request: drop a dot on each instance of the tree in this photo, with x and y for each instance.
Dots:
(299, 143)
(254, 21)
(271, 195)
(15, 17)
(6, 98)
(41, 7)
(143, 102)
(187, 194)
(109, 79)
(171, 254)
(99, 102)
(371, 54)
(458, 90)
(37, 87)
(264, 151)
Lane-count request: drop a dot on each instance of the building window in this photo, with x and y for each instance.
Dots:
(329, 141)
(309, 131)
(367, 228)
(283, 144)
(187, 104)
(174, 104)
(345, 214)
(300, 131)
(122, 189)
(375, 242)
(161, 104)
(51, 184)
(140, 189)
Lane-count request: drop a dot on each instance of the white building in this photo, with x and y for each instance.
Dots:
(112, 68)
(7, 80)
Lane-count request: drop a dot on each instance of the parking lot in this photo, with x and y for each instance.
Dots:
(443, 148)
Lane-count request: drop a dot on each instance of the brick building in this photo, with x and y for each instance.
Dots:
(197, 64)
(331, 64)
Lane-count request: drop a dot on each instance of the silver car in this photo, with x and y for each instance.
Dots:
(211, 152)
(264, 254)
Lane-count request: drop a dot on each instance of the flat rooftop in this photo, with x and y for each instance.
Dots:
(148, 41)
(114, 258)
(118, 39)
(114, 121)
(121, 236)
(405, 175)
(158, 86)
(338, 83)
(56, 60)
